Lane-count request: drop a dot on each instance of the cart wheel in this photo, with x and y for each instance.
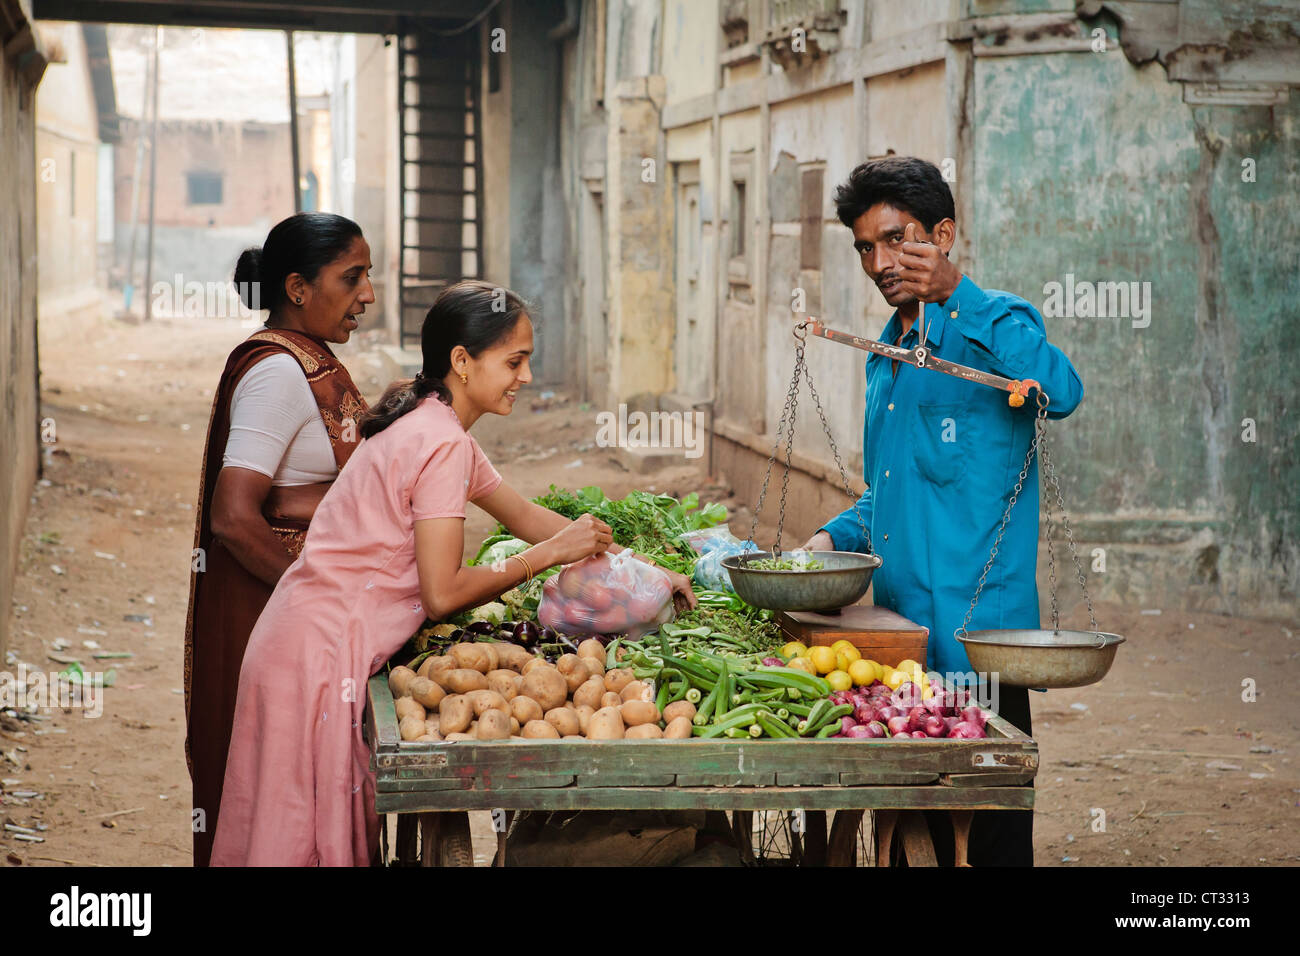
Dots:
(445, 839)
(842, 847)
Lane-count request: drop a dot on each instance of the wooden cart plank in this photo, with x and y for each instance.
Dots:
(984, 779)
(887, 778)
(415, 784)
(713, 798)
(807, 778)
(725, 778)
(798, 761)
(625, 780)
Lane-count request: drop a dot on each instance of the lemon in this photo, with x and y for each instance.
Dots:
(895, 679)
(909, 665)
(862, 672)
(794, 649)
(839, 680)
(846, 647)
(802, 664)
(823, 658)
(927, 694)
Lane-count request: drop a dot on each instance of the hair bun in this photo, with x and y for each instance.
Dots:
(248, 277)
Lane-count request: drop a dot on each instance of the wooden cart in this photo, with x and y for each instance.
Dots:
(437, 783)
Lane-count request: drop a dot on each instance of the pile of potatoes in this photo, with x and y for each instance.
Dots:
(499, 691)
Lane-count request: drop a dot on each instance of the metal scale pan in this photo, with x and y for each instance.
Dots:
(842, 581)
(1042, 658)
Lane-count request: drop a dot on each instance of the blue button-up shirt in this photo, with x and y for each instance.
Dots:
(940, 458)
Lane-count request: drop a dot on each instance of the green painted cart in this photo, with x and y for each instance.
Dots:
(432, 786)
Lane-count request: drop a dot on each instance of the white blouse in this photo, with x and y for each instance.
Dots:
(276, 428)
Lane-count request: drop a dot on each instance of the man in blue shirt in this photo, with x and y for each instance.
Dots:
(940, 454)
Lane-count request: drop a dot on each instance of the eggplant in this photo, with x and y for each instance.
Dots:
(525, 633)
(481, 629)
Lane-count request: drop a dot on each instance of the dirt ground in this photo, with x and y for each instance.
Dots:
(1162, 763)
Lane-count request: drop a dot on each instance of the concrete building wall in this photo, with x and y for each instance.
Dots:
(21, 66)
(67, 145)
(202, 241)
(1155, 459)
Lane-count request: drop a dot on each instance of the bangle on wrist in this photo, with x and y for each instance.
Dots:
(528, 570)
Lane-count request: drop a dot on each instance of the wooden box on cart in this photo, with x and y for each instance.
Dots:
(878, 633)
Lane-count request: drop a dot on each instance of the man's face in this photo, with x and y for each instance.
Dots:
(878, 237)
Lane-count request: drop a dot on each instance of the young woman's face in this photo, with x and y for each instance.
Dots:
(496, 375)
(340, 292)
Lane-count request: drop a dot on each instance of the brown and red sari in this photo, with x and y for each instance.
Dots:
(225, 599)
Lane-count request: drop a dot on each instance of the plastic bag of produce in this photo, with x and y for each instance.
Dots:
(704, 540)
(709, 572)
(607, 594)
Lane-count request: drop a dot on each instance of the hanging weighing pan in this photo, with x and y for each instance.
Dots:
(842, 581)
(1047, 659)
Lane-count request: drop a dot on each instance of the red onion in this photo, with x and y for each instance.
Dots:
(877, 729)
(951, 722)
(974, 715)
(897, 725)
(966, 731)
(934, 727)
(864, 714)
(907, 694)
(916, 717)
(885, 713)
(773, 662)
(847, 724)
(919, 735)
(859, 732)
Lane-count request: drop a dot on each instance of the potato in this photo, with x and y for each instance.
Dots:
(429, 739)
(524, 709)
(540, 730)
(564, 720)
(592, 648)
(465, 679)
(546, 685)
(513, 656)
(679, 708)
(493, 725)
(452, 738)
(504, 682)
(427, 693)
(574, 670)
(679, 728)
(610, 699)
(574, 737)
(433, 662)
(637, 712)
(493, 652)
(644, 732)
(605, 724)
(616, 680)
(471, 656)
(596, 665)
(584, 713)
(590, 692)
(485, 700)
(399, 680)
(636, 690)
(454, 715)
(514, 727)
(441, 672)
(431, 726)
(535, 662)
(412, 727)
(407, 707)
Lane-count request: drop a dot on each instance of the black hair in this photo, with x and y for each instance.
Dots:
(304, 243)
(472, 313)
(904, 182)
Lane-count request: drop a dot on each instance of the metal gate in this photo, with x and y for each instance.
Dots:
(440, 170)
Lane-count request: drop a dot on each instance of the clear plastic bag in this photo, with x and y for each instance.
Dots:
(704, 540)
(607, 594)
(709, 571)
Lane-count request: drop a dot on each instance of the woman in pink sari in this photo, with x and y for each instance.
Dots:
(384, 550)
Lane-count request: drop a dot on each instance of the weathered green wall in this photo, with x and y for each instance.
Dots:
(1087, 164)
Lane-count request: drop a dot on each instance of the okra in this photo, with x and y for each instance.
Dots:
(705, 710)
(830, 730)
(694, 695)
(774, 727)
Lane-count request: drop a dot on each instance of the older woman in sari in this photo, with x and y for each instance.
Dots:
(284, 422)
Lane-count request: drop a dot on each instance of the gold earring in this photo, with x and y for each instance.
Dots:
(464, 379)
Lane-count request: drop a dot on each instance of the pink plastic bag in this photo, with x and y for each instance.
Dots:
(607, 594)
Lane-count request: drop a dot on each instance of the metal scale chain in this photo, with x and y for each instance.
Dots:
(788, 412)
(1038, 444)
